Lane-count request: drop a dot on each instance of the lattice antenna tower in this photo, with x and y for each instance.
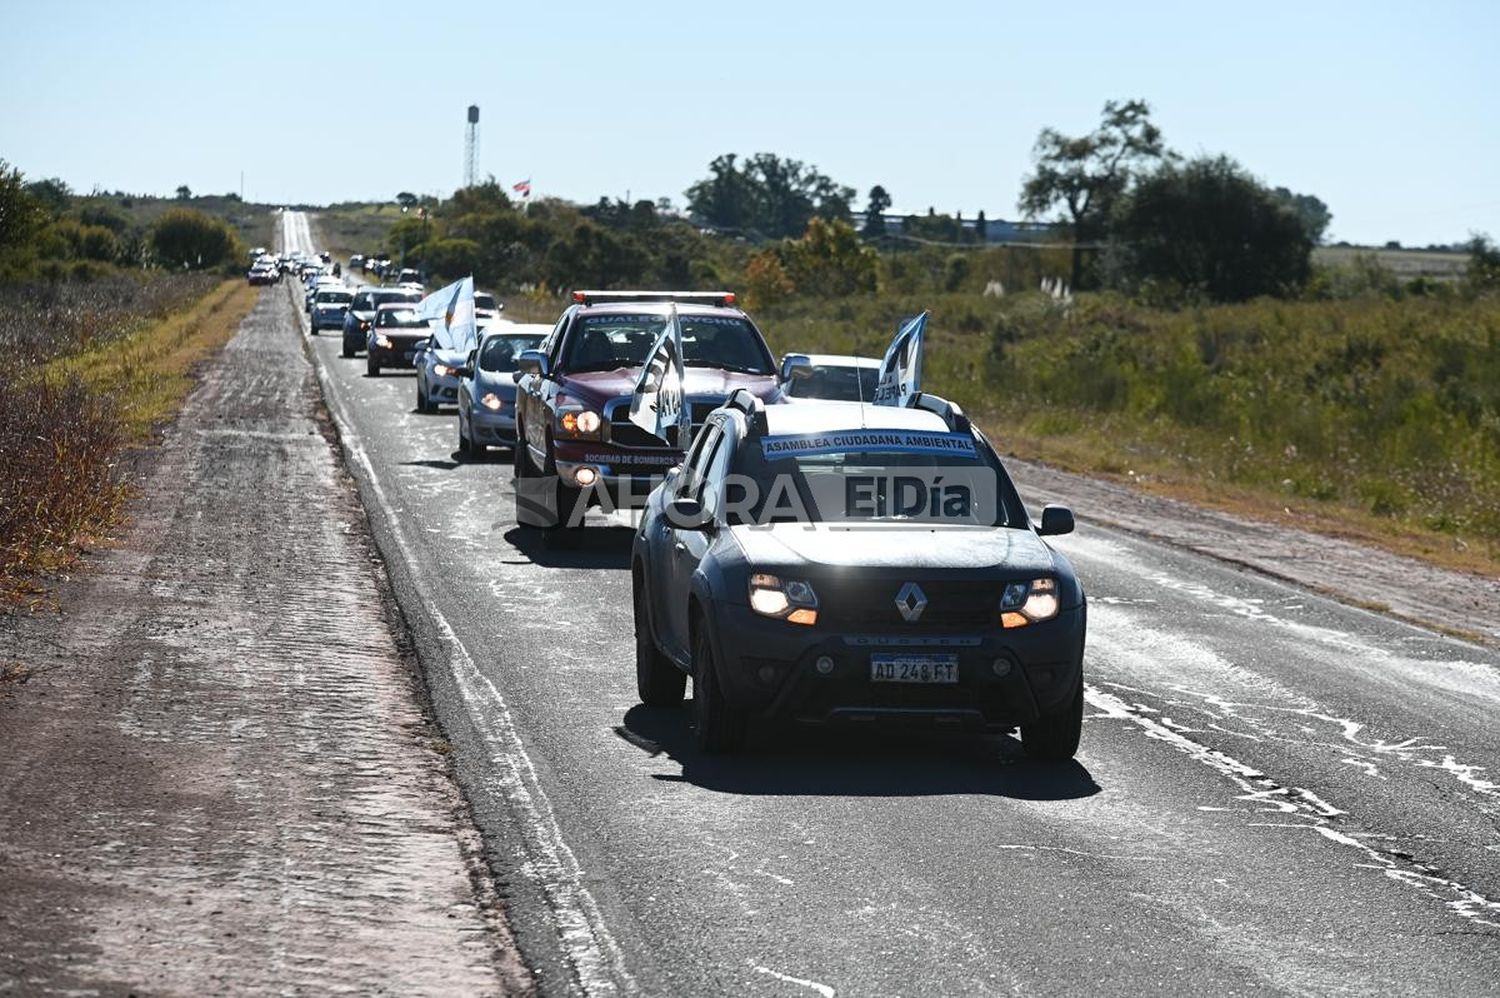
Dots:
(471, 145)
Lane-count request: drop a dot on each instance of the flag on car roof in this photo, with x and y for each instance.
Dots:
(450, 310)
(523, 188)
(901, 370)
(658, 402)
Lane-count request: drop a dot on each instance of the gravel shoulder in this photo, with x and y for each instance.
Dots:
(219, 774)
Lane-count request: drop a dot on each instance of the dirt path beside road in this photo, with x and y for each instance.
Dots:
(218, 776)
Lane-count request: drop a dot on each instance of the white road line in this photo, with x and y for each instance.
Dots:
(596, 959)
(822, 989)
(1298, 802)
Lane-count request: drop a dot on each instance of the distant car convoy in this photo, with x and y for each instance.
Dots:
(819, 541)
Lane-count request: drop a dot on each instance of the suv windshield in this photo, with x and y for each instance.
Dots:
(389, 297)
(949, 479)
(605, 342)
(837, 382)
(406, 318)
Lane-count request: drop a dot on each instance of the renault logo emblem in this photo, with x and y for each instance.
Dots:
(911, 601)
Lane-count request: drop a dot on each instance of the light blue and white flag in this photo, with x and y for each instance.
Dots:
(658, 401)
(901, 370)
(450, 311)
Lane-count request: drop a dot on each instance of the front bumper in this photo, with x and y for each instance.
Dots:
(767, 666)
(442, 390)
(628, 474)
(327, 319)
(496, 427)
(401, 353)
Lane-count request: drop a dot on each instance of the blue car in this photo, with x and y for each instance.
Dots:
(487, 387)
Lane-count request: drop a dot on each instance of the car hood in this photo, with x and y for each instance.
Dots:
(601, 386)
(452, 358)
(499, 382)
(974, 551)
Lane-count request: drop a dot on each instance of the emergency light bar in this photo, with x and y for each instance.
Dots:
(723, 299)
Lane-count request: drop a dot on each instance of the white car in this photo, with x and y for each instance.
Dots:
(829, 376)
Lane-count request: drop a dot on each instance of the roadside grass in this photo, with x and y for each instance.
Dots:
(354, 228)
(1373, 419)
(66, 422)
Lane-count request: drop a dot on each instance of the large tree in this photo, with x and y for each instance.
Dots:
(767, 196)
(1207, 227)
(1312, 211)
(1083, 177)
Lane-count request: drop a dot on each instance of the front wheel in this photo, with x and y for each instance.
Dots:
(657, 680)
(1054, 738)
(465, 445)
(372, 369)
(718, 727)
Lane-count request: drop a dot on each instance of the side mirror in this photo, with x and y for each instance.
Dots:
(467, 371)
(688, 514)
(795, 365)
(1055, 520)
(532, 362)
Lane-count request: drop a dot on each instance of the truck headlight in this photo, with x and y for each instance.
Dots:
(792, 600)
(579, 422)
(1031, 602)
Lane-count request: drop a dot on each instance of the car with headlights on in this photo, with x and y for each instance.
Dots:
(396, 334)
(361, 314)
(829, 377)
(573, 404)
(330, 304)
(487, 386)
(859, 567)
(437, 372)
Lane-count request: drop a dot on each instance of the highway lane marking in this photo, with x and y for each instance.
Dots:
(822, 989)
(1297, 801)
(596, 958)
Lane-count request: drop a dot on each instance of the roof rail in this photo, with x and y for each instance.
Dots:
(723, 299)
(952, 414)
(751, 405)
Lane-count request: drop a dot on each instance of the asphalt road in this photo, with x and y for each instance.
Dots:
(1276, 793)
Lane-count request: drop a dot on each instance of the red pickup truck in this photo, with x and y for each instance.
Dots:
(574, 432)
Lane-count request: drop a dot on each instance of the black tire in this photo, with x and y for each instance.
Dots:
(346, 351)
(422, 404)
(563, 497)
(1054, 738)
(657, 680)
(718, 727)
(371, 368)
(465, 445)
(313, 330)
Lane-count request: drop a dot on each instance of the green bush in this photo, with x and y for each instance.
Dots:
(187, 239)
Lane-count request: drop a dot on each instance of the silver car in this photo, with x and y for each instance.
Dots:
(487, 386)
(329, 305)
(437, 373)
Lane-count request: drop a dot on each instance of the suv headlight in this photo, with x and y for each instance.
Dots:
(792, 600)
(579, 423)
(1031, 602)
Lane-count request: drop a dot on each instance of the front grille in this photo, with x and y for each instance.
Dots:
(871, 604)
(624, 433)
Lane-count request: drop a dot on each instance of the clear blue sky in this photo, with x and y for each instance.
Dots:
(1387, 111)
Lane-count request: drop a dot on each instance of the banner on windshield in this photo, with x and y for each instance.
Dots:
(901, 370)
(658, 403)
(450, 311)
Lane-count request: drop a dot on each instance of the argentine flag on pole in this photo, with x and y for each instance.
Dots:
(450, 310)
